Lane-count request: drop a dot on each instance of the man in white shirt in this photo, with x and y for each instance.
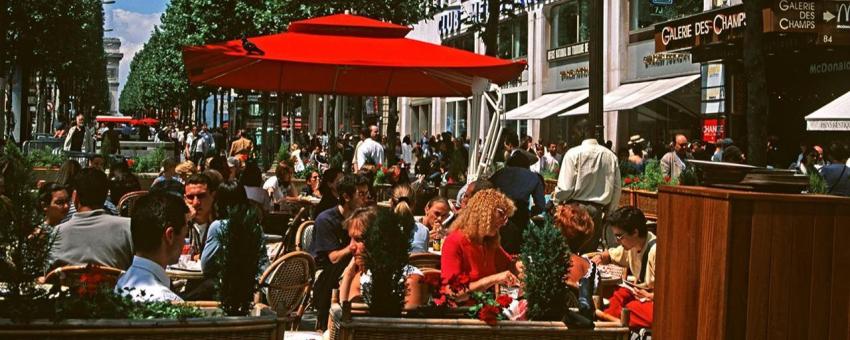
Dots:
(159, 232)
(590, 176)
(545, 162)
(370, 151)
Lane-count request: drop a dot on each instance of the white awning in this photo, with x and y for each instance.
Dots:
(834, 116)
(630, 96)
(547, 105)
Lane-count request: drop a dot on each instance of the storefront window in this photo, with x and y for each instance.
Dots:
(569, 23)
(513, 38)
(463, 42)
(644, 14)
(456, 117)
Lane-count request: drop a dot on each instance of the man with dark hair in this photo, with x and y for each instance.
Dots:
(636, 252)
(199, 196)
(159, 231)
(92, 235)
(521, 185)
(590, 176)
(121, 182)
(330, 242)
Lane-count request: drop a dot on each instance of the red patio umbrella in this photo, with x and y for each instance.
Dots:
(344, 54)
(144, 121)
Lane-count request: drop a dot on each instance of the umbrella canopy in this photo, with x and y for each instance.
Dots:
(113, 119)
(344, 54)
(144, 121)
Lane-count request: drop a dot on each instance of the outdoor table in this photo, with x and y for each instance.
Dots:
(610, 276)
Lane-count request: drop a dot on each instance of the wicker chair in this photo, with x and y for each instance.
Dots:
(425, 260)
(304, 236)
(69, 276)
(128, 201)
(288, 281)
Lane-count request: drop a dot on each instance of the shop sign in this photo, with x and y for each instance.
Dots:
(713, 129)
(709, 27)
(830, 67)
(835, 23)
(828, 125)
(569, 76)
(576, 73)
(792, 16)
(455, 18)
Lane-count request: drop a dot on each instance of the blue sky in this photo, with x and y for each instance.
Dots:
(132, 21)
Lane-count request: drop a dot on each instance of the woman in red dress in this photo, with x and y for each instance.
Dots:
(472, 247)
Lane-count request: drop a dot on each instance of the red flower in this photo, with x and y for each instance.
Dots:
(489, 314)
(637, 179)
(667, 179)
(431, 280)
(131, 162)
(440, 301)
(628, 180)
(504, 300)
(459, 282)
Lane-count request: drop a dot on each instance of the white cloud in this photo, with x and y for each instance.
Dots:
(133, 29)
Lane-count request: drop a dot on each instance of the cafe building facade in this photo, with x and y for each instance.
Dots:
(807, 61)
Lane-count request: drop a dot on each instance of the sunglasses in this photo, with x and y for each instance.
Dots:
(192, 197)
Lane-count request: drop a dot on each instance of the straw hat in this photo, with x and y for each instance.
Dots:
(636, 139)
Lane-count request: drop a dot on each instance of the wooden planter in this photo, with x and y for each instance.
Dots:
(366, 327)
(246, 327)
(46, 174)
(646, 201)
(146, 179)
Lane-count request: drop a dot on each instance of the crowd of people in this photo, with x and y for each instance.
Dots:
(479, 233)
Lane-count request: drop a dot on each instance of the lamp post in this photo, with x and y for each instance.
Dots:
(596, 49)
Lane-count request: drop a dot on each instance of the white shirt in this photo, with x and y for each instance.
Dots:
(545, 163)
(589, 173)
(370, 150)
(146, 281)
(407, 153)
(278, 193)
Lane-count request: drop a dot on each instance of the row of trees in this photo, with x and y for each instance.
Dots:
(58, 45)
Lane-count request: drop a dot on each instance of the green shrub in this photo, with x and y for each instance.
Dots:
(150, 162)
(546, 258)
(240, 259)
(45, 158)
(387, 242)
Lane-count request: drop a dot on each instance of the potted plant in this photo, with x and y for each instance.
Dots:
(387, 244)
(147, 167)
(240, 259)
(546, 258)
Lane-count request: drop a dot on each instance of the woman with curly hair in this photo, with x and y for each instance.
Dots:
(472, 247)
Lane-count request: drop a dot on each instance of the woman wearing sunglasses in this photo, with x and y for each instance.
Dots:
(472, 247)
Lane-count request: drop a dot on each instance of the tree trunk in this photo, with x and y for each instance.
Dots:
(757, 95)
(392, 132)
(264, 112)
(215, 109)
(491, 28)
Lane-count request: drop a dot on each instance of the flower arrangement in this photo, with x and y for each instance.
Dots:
(650, 179)
(484, 306)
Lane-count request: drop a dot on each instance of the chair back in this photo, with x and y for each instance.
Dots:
(128, 201)
(288, 281)
(77, 275)
(429, 275)
(425, 260)
(304, 237)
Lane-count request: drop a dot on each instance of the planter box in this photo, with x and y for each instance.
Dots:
(46, 174)
(146, 179)
(646, 201)
(366, 327)
(251, 327)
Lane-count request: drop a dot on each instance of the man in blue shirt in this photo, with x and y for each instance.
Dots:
(159, 230)
(837, 173)
(519, 183)
(329, 245)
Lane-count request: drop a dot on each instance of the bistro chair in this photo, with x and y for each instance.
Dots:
(425, 260)
(287, 283)
(71, 276)
(304, 236)
(128, 201)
